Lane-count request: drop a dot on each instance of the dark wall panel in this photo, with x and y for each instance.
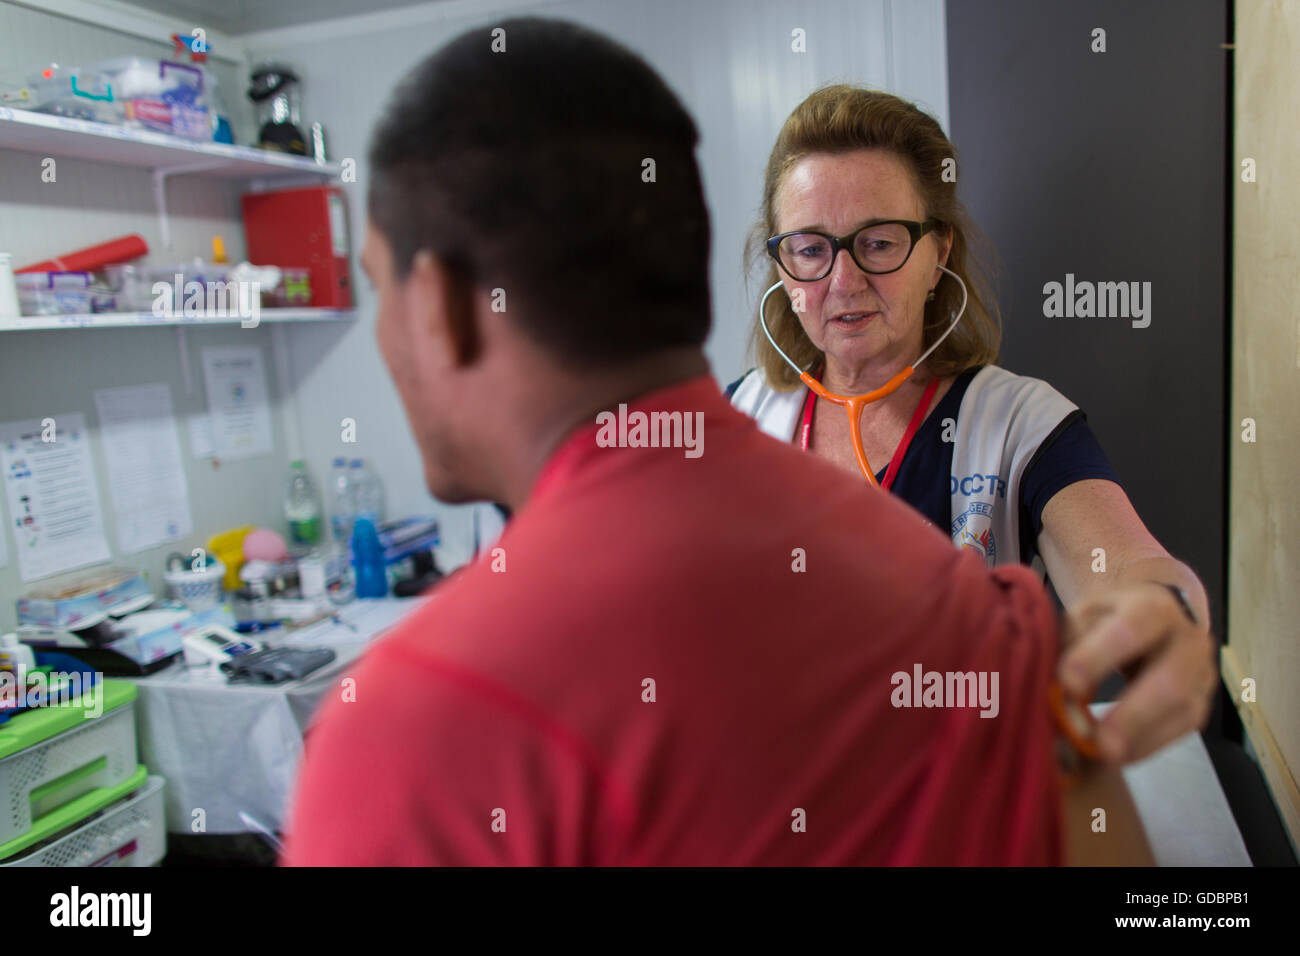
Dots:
(1111, 167)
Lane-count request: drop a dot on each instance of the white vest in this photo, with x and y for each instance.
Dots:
(1003, 421)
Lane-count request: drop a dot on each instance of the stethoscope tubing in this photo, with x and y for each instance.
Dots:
(762, 320)
(853, 404)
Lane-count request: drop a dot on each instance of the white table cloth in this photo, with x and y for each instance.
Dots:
(225, 749)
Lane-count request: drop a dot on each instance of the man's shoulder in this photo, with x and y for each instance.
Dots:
(494, 615)
(462, 608)
(450, 660)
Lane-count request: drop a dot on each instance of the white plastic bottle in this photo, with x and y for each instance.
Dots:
(16, 658)
(8, 289)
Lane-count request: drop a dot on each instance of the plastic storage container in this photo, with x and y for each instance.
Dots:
(159, 95)
(130, 284)
(207, 298)
(59, 764)
(131, 832)
(197, 590)
(61, 293)
(81, 93)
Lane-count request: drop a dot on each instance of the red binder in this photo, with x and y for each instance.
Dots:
(303, 228)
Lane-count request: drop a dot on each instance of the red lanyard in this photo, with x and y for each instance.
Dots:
(805, 429)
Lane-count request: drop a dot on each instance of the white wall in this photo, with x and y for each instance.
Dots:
(731, 63)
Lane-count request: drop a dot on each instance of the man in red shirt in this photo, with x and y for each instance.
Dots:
(692, 644)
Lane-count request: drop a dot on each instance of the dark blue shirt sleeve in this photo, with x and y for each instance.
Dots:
(1071, 453)
(731, 389)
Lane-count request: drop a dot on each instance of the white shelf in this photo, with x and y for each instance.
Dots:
(122, 146)
(117, 320)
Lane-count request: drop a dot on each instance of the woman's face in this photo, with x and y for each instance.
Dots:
(856, 318)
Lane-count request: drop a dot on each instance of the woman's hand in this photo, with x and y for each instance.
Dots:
(1142, 629)
(1106, 568)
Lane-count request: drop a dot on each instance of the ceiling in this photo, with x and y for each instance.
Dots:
(234, 17)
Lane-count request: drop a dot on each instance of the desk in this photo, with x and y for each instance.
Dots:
(226, 749)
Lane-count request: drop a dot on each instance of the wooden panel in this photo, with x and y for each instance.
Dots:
(1264, 509)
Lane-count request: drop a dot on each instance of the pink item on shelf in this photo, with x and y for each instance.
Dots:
(262, 544)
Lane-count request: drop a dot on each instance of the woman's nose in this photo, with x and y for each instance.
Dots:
(846, 275)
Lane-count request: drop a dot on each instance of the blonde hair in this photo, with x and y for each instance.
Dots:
(840, 119)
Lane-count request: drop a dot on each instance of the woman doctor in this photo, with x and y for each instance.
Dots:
(862, 223)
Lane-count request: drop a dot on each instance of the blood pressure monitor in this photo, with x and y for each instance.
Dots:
(215, 644)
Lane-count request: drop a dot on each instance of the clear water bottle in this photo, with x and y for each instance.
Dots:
(367, 493)
(342, 508)
(374, 497)
(302, 508)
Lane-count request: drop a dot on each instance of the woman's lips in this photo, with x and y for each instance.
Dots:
(851, 319)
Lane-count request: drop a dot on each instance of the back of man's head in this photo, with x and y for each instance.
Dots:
(543, 159)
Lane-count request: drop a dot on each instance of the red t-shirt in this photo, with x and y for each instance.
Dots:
(672, 658)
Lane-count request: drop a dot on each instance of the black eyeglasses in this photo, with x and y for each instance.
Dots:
(878, 247)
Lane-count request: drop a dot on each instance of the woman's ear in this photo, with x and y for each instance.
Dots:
(945, 246)
(443, 297)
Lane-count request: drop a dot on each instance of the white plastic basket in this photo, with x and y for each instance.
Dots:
(131, 832)
(111, 736)
(197, 590)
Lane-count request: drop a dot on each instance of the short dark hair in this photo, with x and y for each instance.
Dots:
(523, 170)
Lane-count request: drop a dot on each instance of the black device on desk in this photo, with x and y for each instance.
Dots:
(424, 575)
(276, 665)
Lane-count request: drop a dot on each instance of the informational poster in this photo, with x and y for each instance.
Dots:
(54, 510)
(146, 479)
(200, 426)
(237, 401)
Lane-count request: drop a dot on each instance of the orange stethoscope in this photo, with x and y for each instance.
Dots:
(1072, 717)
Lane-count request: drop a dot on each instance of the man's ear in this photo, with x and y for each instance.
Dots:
(444, 297)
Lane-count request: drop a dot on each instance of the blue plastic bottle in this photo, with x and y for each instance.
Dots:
(368, 559)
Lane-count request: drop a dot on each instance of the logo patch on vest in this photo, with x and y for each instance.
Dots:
(973, 529)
